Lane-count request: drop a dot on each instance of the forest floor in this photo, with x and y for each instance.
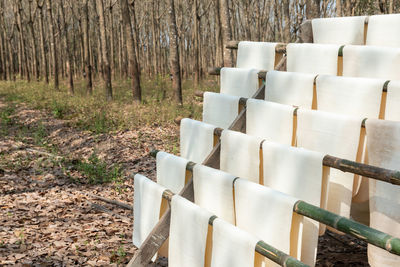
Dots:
(50, 171)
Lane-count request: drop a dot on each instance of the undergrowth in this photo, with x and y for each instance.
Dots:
(97, 171)
(5, 115)
(94, 113)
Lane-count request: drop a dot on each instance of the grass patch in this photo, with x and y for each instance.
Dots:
(96, 170)
(6, 119)
(94, 113)
(5, 115)
(58, 110)
(39, 134)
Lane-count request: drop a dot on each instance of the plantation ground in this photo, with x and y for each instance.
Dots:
(57, 151)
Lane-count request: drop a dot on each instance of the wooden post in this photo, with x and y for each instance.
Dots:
(305, 33)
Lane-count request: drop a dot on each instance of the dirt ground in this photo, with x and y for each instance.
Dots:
(49, 215)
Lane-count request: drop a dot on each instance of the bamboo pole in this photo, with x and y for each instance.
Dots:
(348, 226)
(263, 248)
(370, 235)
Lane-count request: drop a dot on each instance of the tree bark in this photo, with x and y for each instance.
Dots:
(174, 54)
(105, 55)
(154, 39)
(196, 56)
(88, 65)
(34, 43)
(69, 53)
(111, 23)
(286, 17)
(338, 8)
(134, 68)
(390, 6)
(226, 32)
(23, 54)
(3, 49)
(53, 44)
(45, 70)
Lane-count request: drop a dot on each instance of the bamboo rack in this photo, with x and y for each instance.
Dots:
(160, 232)
(343, 224)
(263, 74)
(262, 248)
(377, 173)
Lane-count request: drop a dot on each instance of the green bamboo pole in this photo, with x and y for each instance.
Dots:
(353, 228)
(348, 226)
(263, 248)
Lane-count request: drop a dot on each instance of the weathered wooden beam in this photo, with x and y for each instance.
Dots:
(217, 71)
(198, 93)
(232, 44)
(305, 32)
(279, 48)
(214, 70)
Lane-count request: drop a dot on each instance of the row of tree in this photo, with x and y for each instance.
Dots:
(74, 39)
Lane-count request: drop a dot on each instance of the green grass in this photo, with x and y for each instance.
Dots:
(97, 172)
(5, 115)
(39, 134)
(95, 114)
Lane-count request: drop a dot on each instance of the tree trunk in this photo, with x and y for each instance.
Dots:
(226, 32)
(111, 23)
(312, 9)
(105, 55)
(88, 65)
(23, 53)
(34, 44)
(2, 60)
(339, 8)
(53, 44)
(154, 39)
(3, 49)
(174, 54)
(12, 61)
(286, 17)
(69, 54)
(45, 70)
(196, 68)
(134, 68)
(218, 37)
